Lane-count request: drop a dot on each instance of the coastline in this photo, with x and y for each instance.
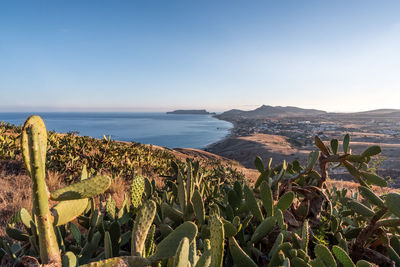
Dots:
(244, 148)
(228, 136)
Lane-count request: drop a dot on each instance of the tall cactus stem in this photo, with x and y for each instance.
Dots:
(34, 146)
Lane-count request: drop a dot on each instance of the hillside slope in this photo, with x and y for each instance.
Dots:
(266, 111)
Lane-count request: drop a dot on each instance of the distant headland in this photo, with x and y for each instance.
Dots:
(191, 111)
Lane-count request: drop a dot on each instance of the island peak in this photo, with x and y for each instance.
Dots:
(191, 111)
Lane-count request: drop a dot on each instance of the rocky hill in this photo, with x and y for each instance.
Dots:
(266, 111)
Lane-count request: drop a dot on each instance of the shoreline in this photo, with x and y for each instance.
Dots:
(228, 136)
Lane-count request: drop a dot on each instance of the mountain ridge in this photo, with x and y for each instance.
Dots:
(267, 111)
(271, 111)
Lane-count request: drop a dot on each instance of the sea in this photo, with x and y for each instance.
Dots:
(168, 130)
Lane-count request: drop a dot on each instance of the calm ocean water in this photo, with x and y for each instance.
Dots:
(169, 130)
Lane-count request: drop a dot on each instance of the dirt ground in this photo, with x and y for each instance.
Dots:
(246, 149)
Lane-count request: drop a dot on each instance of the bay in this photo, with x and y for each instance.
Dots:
(168, 130)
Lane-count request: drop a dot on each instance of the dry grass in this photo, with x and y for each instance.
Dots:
(54, 181)
(119, 186)
(15, 193)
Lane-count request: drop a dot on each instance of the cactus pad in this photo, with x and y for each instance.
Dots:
(168, 246)
(181, 258)
(137, 189)
(217, 241)
(144, 220)
(342, 256)
(240, 258)
(252, 204)
(34, 125)
(87, 188)
(285, 201)
(263, 229)
(68, 210)
(325, 255)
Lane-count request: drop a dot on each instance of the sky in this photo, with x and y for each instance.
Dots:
(341, 55)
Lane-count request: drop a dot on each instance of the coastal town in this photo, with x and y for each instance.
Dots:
(301, 130)
(292, 137)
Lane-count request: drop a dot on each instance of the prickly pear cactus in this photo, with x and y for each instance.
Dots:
(34, 148)
(289, 217)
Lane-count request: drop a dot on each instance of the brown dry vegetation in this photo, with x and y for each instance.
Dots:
(15, 193)
(244, 149)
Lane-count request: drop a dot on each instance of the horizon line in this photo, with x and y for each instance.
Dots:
(18, 109)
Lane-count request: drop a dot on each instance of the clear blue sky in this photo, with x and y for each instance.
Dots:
(161, 55)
